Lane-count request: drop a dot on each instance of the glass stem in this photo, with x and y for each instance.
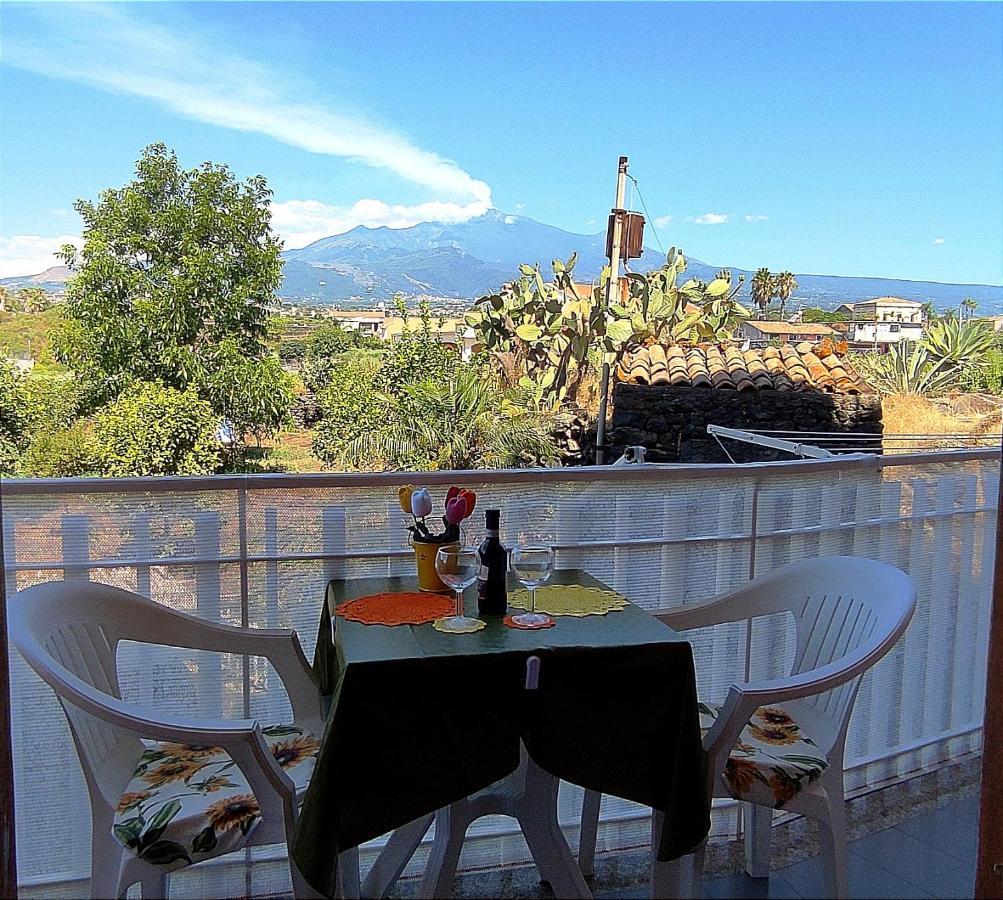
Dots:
(532, 603)
(459, 603)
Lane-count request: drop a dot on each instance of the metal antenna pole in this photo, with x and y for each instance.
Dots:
(616, 227)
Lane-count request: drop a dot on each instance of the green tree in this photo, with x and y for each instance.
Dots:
(33, 300)
(8, 302)
(14, 419)
(173, 263)
(968, 307)
(417, 354)
(813, 315)
(785, 284)
(254, 395)
(324, 347)
(351, 405)
(292, 351)
(764, 289)
(152, 429)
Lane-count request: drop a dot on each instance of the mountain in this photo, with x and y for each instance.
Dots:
(473, 258)
(52, 279)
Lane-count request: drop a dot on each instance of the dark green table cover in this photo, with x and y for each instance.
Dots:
(420, 719)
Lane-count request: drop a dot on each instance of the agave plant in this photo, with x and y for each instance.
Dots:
(909, 368)
(960, 344)
(467, 422)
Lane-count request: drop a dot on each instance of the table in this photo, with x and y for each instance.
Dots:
(421, 720)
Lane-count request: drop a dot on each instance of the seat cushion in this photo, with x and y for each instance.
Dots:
(774, 759)
(186, 803)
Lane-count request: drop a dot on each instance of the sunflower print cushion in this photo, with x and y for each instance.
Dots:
(186, 803)
(774, 759)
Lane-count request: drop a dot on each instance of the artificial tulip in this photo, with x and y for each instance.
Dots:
(421, 503)
(404, 494)
(452, 492)
(456, 510)
(471, 499)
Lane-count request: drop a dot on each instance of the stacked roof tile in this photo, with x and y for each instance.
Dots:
(800, 367)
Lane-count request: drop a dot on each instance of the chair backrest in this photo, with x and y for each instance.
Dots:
(841, 605)
(71, 629)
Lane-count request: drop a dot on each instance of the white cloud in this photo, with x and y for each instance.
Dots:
(510, 220)
(104, 46)
(590, 221)
(29, 254)
(300, 222)
(757, 218)
(711, 218)
(662, 221)
(938, 240)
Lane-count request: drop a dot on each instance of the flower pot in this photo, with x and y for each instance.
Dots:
(424, 555)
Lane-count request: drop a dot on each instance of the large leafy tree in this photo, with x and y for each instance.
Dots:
(173, 263)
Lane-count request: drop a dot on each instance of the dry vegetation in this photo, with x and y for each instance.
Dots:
(973, 417)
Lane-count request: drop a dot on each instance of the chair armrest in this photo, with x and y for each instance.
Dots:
(243, 739)
(280, 646)
(718, 610)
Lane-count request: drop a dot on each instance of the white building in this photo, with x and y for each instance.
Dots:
(759, 334)
(883, 321)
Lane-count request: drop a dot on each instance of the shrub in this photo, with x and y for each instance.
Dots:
(13, 418)
(53, 398)
(987, 376)
(156, 430)
(351, 405)
(417, 354)
(293, 351)
(63, 453)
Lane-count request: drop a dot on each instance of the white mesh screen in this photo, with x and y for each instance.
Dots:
(259, 551)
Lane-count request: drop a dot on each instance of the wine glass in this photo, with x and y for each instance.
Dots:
(458, 569)
(532, 566)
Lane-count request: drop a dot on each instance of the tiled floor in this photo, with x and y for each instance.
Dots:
(929, 855)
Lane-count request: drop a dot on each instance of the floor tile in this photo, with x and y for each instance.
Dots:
(866, 879)
(742, 886)
(947, 831)
(958, 884)
(903, 855)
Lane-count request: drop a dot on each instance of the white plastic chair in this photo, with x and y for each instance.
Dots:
(848, 612)
(69, 631)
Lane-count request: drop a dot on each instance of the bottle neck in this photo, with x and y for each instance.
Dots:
(492, 533)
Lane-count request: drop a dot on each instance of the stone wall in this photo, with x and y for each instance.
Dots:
(671, 422)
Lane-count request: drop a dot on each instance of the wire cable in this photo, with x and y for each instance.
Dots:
(644, 206)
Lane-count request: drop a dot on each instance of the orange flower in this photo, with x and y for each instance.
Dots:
(213, 783)
(292, 752)
(775, 734)
(238, 811)
(774, 716)
(131, 799)
(740, 774)
(191, 751)
(173, 770)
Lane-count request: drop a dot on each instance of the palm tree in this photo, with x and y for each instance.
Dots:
(786, 285)
(969, 305)
(764, 289)
(467, 422)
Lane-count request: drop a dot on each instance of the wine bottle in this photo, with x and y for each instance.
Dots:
(492, 597)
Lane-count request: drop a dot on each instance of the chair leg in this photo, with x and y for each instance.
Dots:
(665, 876)
(394, 857)
(832, 837)
(588, 834)
(552, 854)
(450, 829)
(758, 831)
(106, 860)
(348, 869)
(154, 887)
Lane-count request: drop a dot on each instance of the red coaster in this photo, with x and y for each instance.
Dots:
(511, 623)
(409, 608)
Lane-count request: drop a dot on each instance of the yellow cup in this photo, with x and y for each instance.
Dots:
(424, 554)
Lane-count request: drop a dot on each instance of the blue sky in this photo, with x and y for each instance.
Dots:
(856, 139)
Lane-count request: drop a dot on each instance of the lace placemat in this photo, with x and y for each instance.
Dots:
(570, 600)
(402, 608)
(475, 625)
(511, 623)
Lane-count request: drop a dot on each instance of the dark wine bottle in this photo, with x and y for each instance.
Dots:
(492, 597)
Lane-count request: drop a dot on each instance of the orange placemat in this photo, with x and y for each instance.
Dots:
(407, 608)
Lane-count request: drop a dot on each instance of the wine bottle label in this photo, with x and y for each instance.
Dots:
(483, 574)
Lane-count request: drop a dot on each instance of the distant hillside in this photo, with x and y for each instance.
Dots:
(472, 258)
(475, 257)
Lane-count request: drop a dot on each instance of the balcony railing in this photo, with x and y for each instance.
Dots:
(258, 550)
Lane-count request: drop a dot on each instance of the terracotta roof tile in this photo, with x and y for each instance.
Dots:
(792, 367)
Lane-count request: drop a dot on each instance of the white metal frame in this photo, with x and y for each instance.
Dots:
(69, 632)
(848, 613)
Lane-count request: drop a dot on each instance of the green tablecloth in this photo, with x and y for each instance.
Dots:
(420, 719)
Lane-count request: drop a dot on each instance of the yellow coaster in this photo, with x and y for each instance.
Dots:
(570, 600)
(469, 626)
